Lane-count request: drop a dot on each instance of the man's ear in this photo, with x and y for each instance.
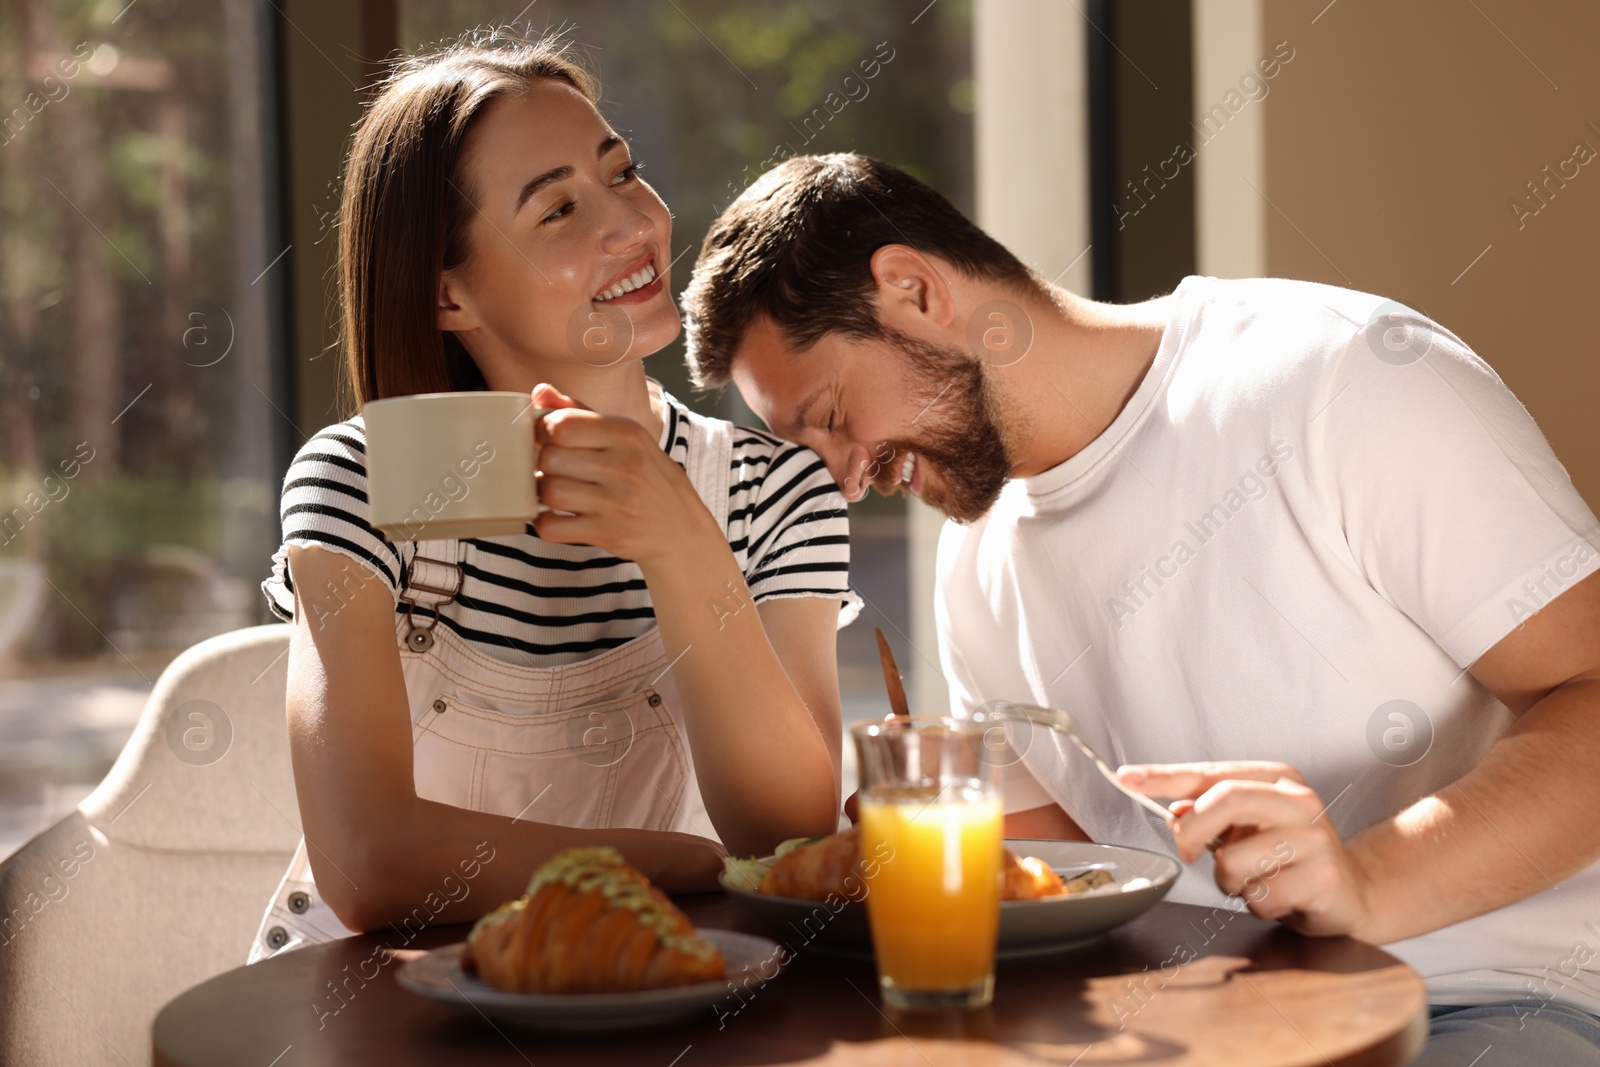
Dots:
(911, 286)
(455, 308)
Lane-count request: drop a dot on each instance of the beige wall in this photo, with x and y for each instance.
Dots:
(1230, 216)
(1395, 141)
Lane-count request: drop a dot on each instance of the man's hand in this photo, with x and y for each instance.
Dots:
(1272, 844)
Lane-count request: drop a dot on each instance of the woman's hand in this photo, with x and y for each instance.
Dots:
(1272, 844)
(619, 490)
(689, 864)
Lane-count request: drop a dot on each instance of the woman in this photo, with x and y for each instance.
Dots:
(652, 661)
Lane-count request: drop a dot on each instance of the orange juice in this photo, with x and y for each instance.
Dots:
(934, 903)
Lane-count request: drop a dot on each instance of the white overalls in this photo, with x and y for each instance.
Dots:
(597, 743)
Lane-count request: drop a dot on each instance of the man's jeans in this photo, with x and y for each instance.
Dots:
(1530, 1033)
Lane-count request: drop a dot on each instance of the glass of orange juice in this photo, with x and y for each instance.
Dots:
(931, 813)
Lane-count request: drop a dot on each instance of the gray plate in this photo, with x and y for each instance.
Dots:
(1027, 927)
(439, 975)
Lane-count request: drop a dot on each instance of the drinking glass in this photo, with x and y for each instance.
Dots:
(931, 820)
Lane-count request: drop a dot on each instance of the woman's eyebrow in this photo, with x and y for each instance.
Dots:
(556, 174)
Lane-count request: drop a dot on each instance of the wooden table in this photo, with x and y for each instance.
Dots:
(1179, 986)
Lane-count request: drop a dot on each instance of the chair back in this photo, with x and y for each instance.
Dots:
(160, 877)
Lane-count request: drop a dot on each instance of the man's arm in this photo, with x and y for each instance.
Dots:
(1525, 818)
(1528, 815)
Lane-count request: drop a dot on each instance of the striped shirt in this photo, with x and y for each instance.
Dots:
(539, 604)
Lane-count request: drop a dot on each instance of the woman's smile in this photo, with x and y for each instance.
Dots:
(635, 284)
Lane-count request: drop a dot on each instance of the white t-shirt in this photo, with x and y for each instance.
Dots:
(1317, 509)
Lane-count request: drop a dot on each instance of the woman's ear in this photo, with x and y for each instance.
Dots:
(911, 286)
(455, 311)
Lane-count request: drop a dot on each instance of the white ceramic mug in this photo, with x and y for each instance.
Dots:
(452, 465)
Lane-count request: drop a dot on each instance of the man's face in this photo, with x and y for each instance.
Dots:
(895, 414)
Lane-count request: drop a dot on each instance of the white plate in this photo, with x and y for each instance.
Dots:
(439, 975)
(1027, 927)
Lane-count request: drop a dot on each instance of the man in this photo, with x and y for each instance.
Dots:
(1292, 554)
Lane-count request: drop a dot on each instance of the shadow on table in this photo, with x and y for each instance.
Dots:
(1085, 1007)
(817, 1003)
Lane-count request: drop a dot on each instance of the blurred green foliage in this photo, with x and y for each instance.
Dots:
(100, 542)
(117, 211)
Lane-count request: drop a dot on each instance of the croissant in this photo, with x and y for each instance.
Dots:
(814, 871)
(818, 870)
(1028, 879)
(589, 923)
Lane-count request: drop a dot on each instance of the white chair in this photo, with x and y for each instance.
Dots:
(159, 879)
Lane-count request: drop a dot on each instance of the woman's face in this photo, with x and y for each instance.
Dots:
(562, 226)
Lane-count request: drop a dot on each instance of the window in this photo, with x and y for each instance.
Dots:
(139, 446)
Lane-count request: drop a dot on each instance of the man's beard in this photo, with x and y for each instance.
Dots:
(957, 434)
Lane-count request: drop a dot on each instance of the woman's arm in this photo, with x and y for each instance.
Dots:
(763, 685)
(378, 850)
(762, 708)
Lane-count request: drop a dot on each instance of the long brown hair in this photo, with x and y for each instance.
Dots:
(405, 207)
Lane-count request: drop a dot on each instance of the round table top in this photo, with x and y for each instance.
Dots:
(1179, 985)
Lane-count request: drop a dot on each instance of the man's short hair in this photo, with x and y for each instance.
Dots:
(796, 247)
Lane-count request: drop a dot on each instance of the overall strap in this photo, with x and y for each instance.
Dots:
(433, 578)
